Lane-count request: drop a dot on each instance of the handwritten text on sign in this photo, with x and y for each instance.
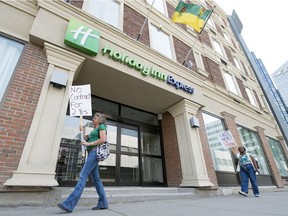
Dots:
(227, 139)
(80, 100)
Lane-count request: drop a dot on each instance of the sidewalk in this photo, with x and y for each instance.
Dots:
(270, 203)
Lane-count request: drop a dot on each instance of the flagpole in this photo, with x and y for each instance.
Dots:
(82, 138)
(198, 36)
(145, 20)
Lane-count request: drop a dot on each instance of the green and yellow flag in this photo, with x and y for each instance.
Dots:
(191, 14)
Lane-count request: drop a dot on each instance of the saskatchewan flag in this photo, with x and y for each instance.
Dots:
(191, 14)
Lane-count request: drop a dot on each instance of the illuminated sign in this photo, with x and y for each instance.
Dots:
(82, 38)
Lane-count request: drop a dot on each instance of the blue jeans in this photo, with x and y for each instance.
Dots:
(247, 172)
(90, 166)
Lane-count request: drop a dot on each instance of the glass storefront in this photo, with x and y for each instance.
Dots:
(222, 158)
(135, 147)
(279, 157)
(253, 146)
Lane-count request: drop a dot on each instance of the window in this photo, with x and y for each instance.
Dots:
(156, 36)
(211, 23)
(10, 52)
(217, 47)
(107, 11)
(159, 5)
(198, 60)
(227, 38)
(252, 144)
(279, 156)
(230, 83)
(236, 61)
(221, 156)
(250, 96)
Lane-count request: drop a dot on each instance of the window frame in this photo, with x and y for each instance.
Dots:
(217, 145)
(120, 10)
(172, 51)
(12, 71)
(227, 83)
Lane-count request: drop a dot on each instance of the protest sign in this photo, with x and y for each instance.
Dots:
(80, 100)
(227, 139)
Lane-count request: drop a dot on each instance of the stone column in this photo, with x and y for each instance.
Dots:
(39, 157)
(191, 154)
(270, 158)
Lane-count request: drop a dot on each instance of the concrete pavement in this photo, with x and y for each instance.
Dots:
(270, 203)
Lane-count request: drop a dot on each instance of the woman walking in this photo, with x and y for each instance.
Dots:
(95, 138)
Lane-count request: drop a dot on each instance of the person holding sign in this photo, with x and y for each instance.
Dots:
(95, 137)
(248, 168)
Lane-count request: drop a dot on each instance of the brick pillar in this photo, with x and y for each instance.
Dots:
(232, 127)
(270, 158)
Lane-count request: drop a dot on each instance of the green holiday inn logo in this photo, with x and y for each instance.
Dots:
(82, 38)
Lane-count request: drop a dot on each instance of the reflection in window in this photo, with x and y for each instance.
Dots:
(129, 168)
(107, 11)
(129, 140)
(252, 144)
(217, 47)
(152, 170)
(150, 143)
(280, 159)
(134, 114)
(10, 52)
(158, 4)
(230, 83)
(156, 36)
(250, 96)
(222, 158)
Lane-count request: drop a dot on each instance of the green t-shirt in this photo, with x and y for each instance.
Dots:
(94, 135)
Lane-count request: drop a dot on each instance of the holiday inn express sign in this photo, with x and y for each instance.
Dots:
(86, 40)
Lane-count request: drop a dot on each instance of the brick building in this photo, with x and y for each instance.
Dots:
(164, 116)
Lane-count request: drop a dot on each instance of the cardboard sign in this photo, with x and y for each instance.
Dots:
(80, 100)
(227, 139)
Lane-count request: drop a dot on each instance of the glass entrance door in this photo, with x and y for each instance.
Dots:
(135, 154)
(122, 166)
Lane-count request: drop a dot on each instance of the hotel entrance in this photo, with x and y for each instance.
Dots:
(135, 148)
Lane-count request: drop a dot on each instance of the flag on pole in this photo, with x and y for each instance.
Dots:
(191, 14)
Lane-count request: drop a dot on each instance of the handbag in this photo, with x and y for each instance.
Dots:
(103, 151)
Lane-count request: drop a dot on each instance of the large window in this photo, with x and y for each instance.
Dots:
(250, 96)
(230, 83)
(222, 158)
(159, 5)
(252, 144)
(198, 60)
(107, 11)
(164, 46)
(217, 47)
(280, 159)
(10, 52)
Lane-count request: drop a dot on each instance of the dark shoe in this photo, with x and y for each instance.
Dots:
(243, 193)
(98, 208)
(63, 208)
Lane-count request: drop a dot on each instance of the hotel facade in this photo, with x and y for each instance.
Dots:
(165, 103)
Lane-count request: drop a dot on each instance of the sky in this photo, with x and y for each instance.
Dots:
(264, 28)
